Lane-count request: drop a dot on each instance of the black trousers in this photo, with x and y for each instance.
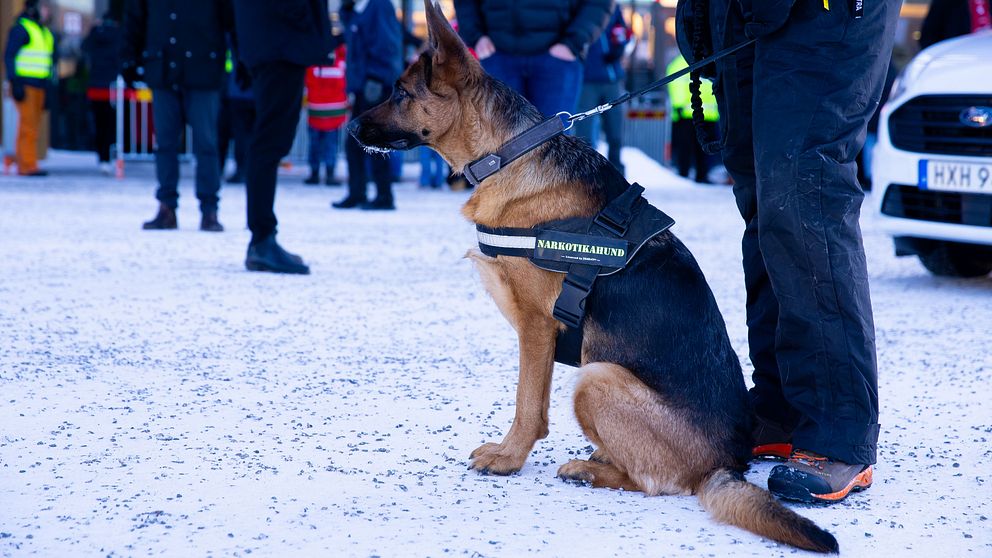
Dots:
(794, 109)
(237, 117)
(359, 161)
(278, 89)
(687, 151)
(105, 128)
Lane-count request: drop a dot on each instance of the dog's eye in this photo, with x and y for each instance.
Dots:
(400, 94)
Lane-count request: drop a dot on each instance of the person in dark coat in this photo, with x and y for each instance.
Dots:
(236, 119)
(102, 50)
(534, 46)
(603, 82)
(374, 61)
(947, 19)
(793, 120)
(180, 45)
(285, 38)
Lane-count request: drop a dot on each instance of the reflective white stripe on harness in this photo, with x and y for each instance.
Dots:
(506, 241)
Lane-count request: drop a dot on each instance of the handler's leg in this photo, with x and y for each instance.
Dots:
(810, 115)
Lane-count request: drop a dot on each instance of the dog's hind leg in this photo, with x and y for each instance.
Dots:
(650, 446)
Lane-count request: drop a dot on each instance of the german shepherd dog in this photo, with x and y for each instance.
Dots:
(661, 393)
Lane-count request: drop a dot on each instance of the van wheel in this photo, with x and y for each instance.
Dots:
(950, 259)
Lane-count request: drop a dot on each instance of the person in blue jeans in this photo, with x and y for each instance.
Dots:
(433, 169)
(537, 47)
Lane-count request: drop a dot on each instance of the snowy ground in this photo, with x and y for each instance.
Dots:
(159, 400)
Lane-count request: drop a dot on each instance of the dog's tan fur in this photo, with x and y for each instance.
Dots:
(643, 442)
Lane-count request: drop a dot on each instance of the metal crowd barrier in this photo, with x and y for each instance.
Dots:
(647, 125)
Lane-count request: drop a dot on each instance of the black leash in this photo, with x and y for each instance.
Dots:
(480, 169)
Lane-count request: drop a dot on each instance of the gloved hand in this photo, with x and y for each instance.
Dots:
(372, 90)
(242, 77)
(767, 16)
(130, 73)
(17, 90)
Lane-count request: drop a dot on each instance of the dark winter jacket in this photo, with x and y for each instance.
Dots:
(179, 43)
(945, 20)
(374, 41)
(17, 38)
(295, 31)
(102, 49)
(525, 27)
(603, 62)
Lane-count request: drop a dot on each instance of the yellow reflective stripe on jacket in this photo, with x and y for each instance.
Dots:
(34, 60)
(681, 97)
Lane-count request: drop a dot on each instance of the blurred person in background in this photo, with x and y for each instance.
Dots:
(237, 116)
(603, 82)
(30, 61)
(535, 47)
(181, 46)
(947, 19)
(281, 40)
(327, 108)
(373, 37)
(102, 51)
(686, 149)
(433, 169)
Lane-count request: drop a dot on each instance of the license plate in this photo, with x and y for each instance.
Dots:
(955, 177)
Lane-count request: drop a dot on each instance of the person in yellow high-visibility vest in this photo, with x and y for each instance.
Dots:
(685, 147)
(29, 59)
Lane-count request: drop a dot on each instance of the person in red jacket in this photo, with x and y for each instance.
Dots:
(327, 106)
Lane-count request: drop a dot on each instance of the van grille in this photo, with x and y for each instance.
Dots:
(932, 124)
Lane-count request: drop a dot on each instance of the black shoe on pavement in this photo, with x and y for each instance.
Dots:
(331, 181)
(267, 255)
(210, 223)
(771, 440)
(813, 478)
(314, 177)
(379, 204)
(165, 220)
(348, 203)
(35, 173)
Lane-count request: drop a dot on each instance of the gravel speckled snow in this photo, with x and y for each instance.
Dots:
(159, 400)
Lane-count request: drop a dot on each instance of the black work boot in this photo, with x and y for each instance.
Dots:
(166, 219)
(348, 203)
(267, 255)
(210, 223)
(314, 177)
(813, 478)
(771, 440)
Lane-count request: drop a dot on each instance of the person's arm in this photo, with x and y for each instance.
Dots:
(589, 21)
(16, 39)
(133, 31)
(385, 37)
(471, 24)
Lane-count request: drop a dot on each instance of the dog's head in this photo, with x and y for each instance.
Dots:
(427, 99)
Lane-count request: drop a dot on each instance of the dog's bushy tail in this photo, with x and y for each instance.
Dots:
(733, 500)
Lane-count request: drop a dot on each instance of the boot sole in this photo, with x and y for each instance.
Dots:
(255, 266)
(798, 493)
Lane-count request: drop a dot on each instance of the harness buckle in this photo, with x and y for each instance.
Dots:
(608, 222)
(570, 305)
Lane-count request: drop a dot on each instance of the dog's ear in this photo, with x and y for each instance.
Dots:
(446, 46)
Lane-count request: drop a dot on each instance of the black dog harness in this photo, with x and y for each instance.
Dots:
(583, 248)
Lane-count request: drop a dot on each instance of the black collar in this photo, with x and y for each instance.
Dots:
(480, 169)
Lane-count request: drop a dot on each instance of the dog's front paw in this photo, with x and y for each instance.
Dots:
(577, 470)
(496, 459)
